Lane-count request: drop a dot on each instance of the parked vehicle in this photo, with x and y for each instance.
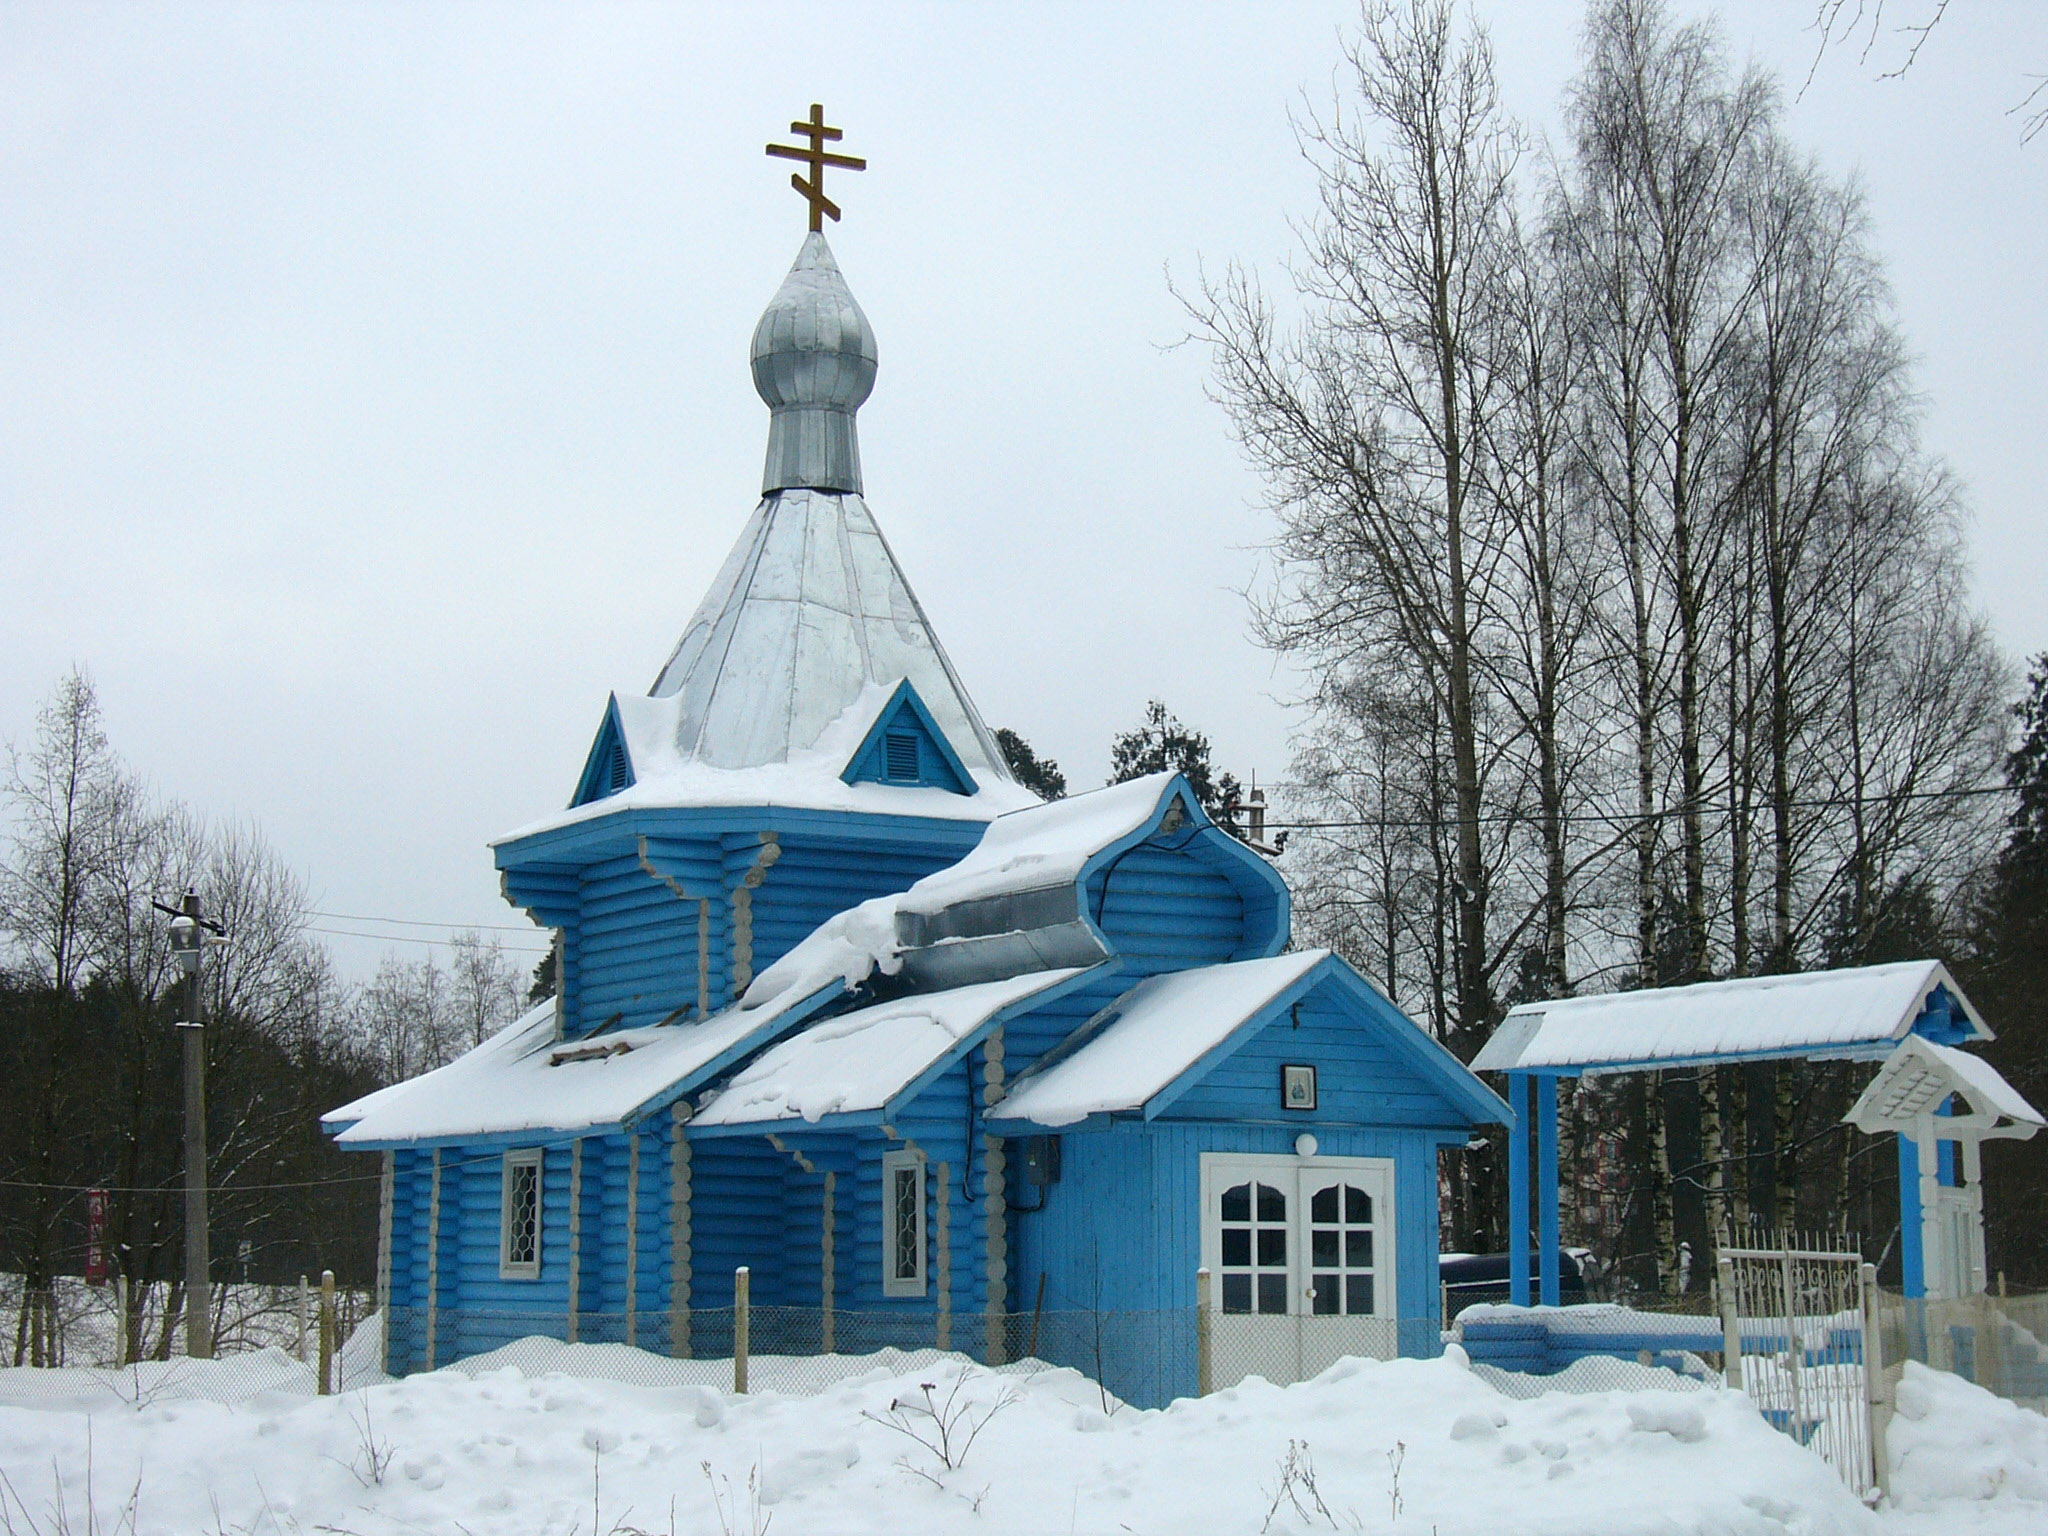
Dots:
(1470, 1278)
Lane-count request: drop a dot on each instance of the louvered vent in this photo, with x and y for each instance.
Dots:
(899, 749)
(616, 774)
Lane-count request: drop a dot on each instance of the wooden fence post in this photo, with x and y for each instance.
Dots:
(1876, 1387)
(1205, 1347)
(739, 1329)
(327, 1330)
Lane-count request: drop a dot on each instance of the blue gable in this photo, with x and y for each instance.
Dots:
(609, 767)
(905, 747)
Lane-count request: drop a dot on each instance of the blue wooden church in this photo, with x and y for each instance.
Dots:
(841, 1002)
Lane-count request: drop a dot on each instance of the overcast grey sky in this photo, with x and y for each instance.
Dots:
(373, 384)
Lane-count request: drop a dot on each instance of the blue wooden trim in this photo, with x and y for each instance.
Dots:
(1258, 885)
(796, 1126)
(942, 770)
(1518, 1188)
(614, 834)
(1912, 1262)
(1871, 1050)
(594, 783)
(1436, 1066)
(901, 1101)
(1546, 1184)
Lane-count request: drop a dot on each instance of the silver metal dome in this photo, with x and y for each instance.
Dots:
(814, 364)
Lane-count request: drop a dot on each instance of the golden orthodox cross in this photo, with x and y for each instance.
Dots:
(818, 158)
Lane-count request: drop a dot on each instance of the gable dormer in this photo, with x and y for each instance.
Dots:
(609, 768)
(906, 749)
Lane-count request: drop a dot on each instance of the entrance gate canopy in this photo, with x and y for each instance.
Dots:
(1856, 1014)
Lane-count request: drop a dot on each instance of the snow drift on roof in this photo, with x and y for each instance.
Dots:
(1815, 1011)
(526, 1078)
(808, 780)
(1160, 1028)
(859, 1061)
(1042, 845)
(848, 948)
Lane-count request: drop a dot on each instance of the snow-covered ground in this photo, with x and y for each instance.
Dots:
(1405, 1446)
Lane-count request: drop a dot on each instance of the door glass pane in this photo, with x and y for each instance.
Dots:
(1341, 1250)
(1252, 1245)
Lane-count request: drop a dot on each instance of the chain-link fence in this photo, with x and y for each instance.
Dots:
(109, 1343)
(1998, 1341)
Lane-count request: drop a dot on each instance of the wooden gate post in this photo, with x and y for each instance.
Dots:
(1205, 1345)
(740, 1278)
(1876, 1386)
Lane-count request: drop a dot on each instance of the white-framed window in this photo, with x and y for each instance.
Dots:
(903, 1271)
(519, 1218)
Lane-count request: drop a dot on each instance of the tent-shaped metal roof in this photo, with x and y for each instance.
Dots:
(810, 607)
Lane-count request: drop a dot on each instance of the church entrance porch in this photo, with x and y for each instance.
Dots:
(1300, 1251)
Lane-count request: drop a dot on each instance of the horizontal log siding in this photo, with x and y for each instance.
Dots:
(815, 880)
(736, 1184)
(935, 1124)
(1166, 910)
(635, 942)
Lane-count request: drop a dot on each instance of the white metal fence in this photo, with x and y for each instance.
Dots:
(1800, 1338)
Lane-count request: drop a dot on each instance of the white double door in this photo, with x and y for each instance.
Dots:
(1300, 1252)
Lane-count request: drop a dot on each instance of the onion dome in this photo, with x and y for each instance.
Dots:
(814, 364)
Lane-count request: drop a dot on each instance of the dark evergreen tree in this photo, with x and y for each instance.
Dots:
(543, 983)
(2006, 975)
(1164, 745)
(1040, 775)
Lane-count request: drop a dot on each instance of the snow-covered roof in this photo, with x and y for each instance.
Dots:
(1041, 846)
(527, 1078)
(664, 776)
(1823, 1014)
(1149, 1037)
(1920, 1075)
(859, 1062)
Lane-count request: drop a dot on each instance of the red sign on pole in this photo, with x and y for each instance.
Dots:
(95, 1237)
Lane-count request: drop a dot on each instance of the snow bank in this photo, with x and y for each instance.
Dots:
(1964, 1460)
(1402, 1446)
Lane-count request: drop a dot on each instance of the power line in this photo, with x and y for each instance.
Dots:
(407, 938)
(413, 922)
(1710, 807)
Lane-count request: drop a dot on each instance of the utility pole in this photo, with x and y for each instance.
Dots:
(191, 933)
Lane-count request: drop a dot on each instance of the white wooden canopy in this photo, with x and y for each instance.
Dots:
(1921, 1076)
